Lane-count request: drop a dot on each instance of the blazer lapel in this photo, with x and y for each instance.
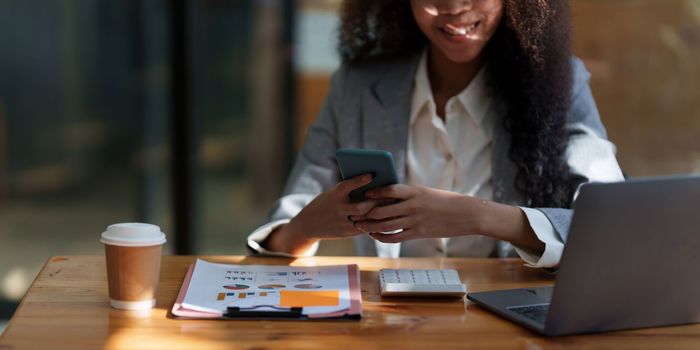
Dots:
(386, 108)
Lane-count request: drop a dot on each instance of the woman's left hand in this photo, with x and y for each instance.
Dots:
(421, 212)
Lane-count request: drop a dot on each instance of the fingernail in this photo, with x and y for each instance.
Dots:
(367, 177)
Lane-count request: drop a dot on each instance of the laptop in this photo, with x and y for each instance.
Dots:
(632, 260)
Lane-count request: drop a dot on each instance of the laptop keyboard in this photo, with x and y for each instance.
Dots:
(537, 313)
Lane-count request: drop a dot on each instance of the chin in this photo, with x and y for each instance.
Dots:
(463, 53)
(462, 57)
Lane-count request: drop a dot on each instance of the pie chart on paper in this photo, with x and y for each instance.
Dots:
(272, 286)
(236, 286)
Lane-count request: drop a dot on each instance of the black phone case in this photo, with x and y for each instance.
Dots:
(358, 161)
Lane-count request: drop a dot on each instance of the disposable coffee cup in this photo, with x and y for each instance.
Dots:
(133, 252)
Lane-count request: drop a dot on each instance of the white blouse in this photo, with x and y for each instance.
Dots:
(455, 155)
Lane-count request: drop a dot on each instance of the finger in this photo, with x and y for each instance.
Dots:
(398, 191)
(405, 235)
(355, 218)
(387, 201)
(347, 186)
(358, 228)
(389, 211)
(362, 208)
(383, 225)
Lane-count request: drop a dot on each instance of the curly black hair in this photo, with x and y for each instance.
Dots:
(529, 65)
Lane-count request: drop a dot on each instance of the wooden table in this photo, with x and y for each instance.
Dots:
(67, 308)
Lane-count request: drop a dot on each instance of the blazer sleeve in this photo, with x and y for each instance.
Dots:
(314, 170)
(590, 155)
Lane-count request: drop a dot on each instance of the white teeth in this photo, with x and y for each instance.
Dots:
(459, 30)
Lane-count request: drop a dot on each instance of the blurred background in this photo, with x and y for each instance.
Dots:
(188, 113)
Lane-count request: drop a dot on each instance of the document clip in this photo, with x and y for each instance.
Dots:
(237, 312)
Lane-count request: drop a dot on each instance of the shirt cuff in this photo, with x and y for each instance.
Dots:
(258, 236)
(553, 246)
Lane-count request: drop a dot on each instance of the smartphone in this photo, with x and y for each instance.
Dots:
(358, 161)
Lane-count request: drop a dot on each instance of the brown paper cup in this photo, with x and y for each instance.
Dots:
(132, 274)
(133, 252)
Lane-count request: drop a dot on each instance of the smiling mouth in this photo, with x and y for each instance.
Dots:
(461, 30)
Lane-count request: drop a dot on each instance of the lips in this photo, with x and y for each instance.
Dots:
(457, 30)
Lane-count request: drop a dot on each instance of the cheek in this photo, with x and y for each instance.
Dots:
(495, 16)
(423, 19)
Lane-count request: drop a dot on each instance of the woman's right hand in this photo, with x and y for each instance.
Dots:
(326, 217)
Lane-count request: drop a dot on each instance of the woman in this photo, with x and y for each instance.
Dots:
(491, 122)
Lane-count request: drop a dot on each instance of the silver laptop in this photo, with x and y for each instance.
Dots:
(632, 260)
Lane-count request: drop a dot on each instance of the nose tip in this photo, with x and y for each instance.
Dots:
(450, 8)
(455, 8)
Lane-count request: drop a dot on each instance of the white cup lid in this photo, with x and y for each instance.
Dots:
(133, 234)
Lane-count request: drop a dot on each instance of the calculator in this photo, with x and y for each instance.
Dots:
(421, 283)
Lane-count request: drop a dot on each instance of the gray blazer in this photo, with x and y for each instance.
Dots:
(368, 106)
